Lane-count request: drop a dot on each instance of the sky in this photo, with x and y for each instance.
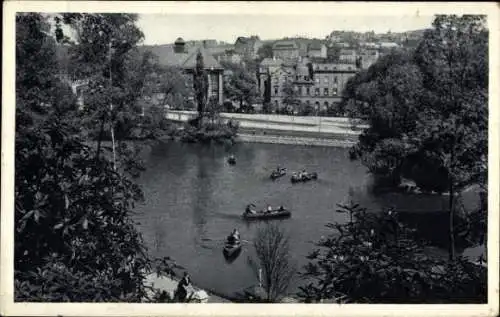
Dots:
(162, 29)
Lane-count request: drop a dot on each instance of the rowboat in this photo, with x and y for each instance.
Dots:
(273, 214)
(231, 250)
(304, 178)
(278, 174)
(231, 160)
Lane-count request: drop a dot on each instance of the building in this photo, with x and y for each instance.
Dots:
(248, 46)
(206, 43)
(317, 83)
(179, 55)
(368, 57)
(286, 50)
(317, 50)
(229, 56)
(347, 55)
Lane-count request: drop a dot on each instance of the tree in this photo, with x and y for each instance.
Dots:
(453, 59)
(290, 95)
(374, 258)
(75, 239)
(427, 110)
(265, 51)
(241, 86)
(273, 253)
(200, 86)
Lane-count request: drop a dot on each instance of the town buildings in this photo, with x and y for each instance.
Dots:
(229, 56)
(317, 84)
(179, 55)
(317, 50)
(248, 46)
(286, 49)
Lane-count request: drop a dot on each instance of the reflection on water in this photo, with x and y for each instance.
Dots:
(194, 199)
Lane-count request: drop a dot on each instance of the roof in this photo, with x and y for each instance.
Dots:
(344, 51)
(315, 46)
(245, 40)
(208, 59)
(286, 44)
(302, 70)
(168, 57)
(271, 62)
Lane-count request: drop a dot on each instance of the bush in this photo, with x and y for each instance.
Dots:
(209, 132)
(374, 258)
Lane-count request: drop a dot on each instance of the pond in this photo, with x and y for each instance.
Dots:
(194, 199)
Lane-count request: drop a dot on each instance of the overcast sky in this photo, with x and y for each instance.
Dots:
(161, 29)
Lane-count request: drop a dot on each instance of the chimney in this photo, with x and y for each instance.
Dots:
(204, 44)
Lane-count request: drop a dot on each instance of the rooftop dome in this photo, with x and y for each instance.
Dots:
(179, 41)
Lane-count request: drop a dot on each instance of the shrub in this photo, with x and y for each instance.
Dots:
(374, 258)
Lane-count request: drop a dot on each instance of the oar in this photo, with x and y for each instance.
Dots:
(209, 239)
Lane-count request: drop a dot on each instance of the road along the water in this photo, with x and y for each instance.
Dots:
(194, 198)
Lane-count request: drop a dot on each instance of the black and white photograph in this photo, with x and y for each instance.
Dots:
(249, 153)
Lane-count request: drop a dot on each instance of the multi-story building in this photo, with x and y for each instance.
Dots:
(317, 84)
(317, 50)
(185, 57)
(229, 56)
(348, 55)
(286, 50)
(248, 46)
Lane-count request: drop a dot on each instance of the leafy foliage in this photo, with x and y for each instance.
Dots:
(374, 258)
(290, 95)
(265, 51)
(75, 239)
(200, 86)
(241, 85)
(427, 110)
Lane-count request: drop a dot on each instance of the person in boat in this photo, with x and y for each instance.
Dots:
(236, 234)
(248, 210)
(303, 174)
(231, 157)
(182, 287)
(282, 208)
(269, 209)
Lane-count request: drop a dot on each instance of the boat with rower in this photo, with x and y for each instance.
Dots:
(231, 160)
(303, 177)
(232, 246)
(281, 212)
(278, 173)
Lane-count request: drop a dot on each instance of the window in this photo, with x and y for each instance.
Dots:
(335, 79)
(297, 77)
(316, 105)
(325, 106)
(308, 91)
(325, 80)
(317, 80)
(316, 91)
(308, 103)
(325, 91)
(334, 91)
(276, 88)
(305, 77)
